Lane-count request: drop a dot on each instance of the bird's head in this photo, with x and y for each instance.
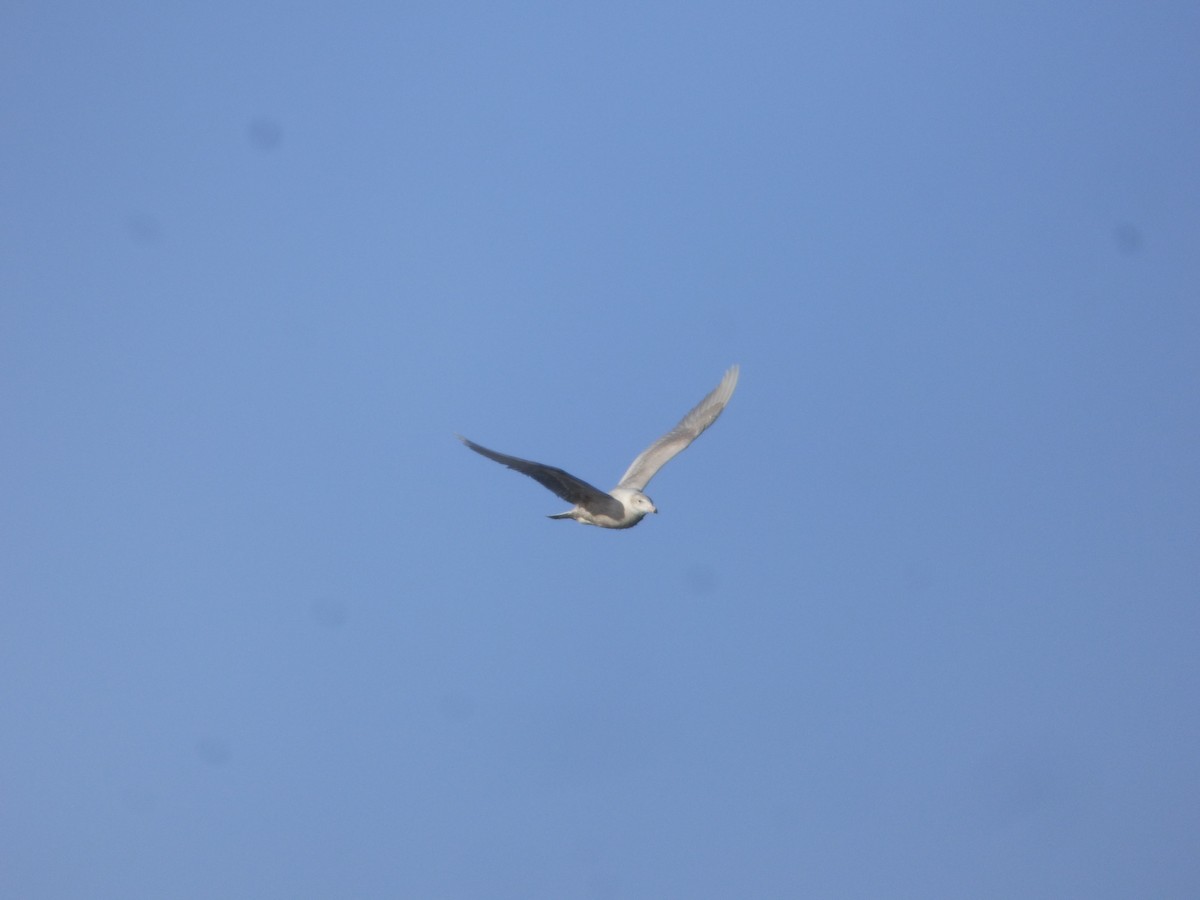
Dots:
(641, 503)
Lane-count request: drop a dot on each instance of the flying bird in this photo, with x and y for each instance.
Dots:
(625, 505)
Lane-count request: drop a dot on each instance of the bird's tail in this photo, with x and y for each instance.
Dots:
(569, 514)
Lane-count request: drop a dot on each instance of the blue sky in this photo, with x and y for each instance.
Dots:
(919, 615)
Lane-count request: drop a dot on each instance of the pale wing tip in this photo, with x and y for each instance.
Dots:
(728, 383)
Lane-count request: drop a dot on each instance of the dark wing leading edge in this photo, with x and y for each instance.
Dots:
(566, 485)
(689, 428)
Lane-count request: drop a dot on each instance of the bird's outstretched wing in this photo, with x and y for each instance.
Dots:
(572, 489)
(690, 427)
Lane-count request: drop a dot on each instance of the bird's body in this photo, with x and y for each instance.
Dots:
(634, 505)
(625, 505)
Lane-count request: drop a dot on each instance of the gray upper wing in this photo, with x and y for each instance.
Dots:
(572, 489)
(690, 427)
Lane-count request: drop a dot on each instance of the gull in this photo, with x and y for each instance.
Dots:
(625, 505)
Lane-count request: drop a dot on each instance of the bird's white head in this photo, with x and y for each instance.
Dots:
(639, 503)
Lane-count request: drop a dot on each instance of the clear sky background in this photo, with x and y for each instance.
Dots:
(920, 615)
